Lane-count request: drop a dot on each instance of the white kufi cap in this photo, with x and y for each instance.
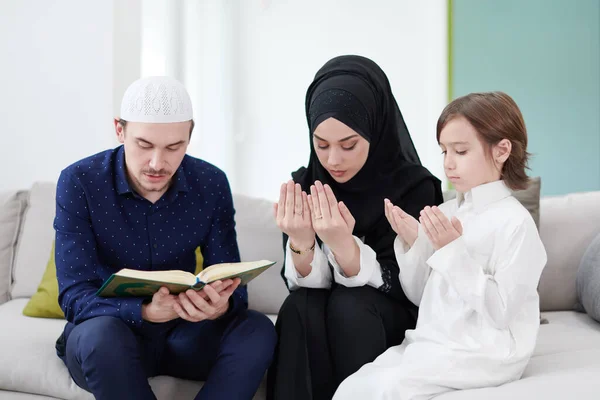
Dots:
(156, 99)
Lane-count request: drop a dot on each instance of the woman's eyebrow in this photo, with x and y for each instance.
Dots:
(341, 140)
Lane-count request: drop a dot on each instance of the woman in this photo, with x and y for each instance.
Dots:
(346, 305)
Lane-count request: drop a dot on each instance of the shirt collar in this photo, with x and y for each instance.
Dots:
(121, 173)
(178, 181)
(484, 195)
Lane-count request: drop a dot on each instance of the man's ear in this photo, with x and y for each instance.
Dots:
(502, 152)
(119, 130)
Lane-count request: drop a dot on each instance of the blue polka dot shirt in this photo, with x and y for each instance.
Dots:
(103, 225)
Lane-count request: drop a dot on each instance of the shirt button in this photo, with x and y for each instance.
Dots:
(155, 245)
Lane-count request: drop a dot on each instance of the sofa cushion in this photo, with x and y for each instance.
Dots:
(588, 281)
(572, 383)
(12, 205)
(259, 238)
(567, 332)
(44, 302)
(35, 240)
(530, 198)
(5, 395)
(565, 364)
(567, 226)
(29, 362)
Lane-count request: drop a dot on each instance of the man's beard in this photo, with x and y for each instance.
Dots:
(151, 171)
(152, 189)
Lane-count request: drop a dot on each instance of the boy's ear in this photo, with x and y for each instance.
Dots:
(502, 151)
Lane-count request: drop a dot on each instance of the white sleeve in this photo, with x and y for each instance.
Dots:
(369, 273)
(319, 276)
(498, 297)
(412, 263)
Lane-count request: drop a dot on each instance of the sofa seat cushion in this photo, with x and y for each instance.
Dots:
(29, 362)
(565, 364)
(4, 395)
(567, 332)
(580, 384)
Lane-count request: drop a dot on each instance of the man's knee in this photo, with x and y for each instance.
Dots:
(259, 336)
(265, 337)
(100, 337)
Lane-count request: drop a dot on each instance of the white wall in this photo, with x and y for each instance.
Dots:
(65, 65)
(282, 45)
(127, 48)
(246, 63)
(56, 82)
(195, 42)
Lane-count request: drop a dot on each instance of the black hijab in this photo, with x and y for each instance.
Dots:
(356, 92)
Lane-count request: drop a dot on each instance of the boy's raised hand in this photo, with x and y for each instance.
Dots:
(439, 229)
(402, 223)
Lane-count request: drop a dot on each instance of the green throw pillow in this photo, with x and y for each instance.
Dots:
(44, 303)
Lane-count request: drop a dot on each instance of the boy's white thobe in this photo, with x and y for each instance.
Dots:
(478, 304)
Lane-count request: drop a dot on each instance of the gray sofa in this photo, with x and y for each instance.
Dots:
(566, 363)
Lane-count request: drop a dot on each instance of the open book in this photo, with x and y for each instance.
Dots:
(135, 283)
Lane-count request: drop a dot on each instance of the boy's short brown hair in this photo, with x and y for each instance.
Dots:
(495, 116)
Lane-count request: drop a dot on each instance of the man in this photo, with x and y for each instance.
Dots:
(147, 205)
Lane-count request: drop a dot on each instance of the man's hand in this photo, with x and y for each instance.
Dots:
(208, 303)
(160, 309)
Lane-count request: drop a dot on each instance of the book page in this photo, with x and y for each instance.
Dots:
(172, 276)
(226, 270)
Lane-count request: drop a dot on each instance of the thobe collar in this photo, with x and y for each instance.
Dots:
(484, 195)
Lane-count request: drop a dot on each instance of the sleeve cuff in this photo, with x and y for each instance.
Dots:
(400, 246)
(444, 258)
(370, 269)
(455, 264)
(236, 304)
(404, 253)
(319, 276)
(131, 311)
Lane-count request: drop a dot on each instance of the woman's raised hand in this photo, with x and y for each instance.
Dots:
(331, 220)
(293, 216)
